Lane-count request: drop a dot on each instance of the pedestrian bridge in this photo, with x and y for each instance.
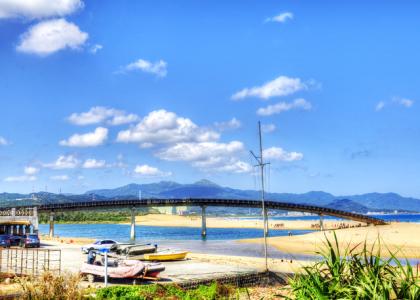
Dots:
(201, 202)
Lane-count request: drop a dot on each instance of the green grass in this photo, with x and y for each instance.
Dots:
(157, 291)
(356, 274)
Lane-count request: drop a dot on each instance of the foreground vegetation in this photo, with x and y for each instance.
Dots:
(156, 291)
(67, 287)
(355, 274)
(108, 216)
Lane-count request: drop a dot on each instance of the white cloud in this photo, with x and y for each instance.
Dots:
(380, 105)
(158, 68)
(33, 9)
(29, 170)
(267, 128)
(407, 103)
(95, 48)
(281, 86)
(20, 178)
(51, 36)
(92, 163)
(163, 127)
(277, 153)
(122, 118)
(3, 141)
(284, 106)
(91, 139)
(281, 18)
(100, 114)
(208, 155)
(228, 125)
(146, 170)
(64, 162)
(60, 177)
(403, 101)
(234, 166)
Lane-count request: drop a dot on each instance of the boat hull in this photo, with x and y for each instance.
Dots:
(165, 256)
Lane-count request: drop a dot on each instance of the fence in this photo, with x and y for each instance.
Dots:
(29, 262)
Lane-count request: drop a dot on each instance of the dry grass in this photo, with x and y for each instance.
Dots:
(50, 286)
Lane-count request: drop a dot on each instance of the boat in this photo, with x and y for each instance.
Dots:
(133, 249)
(129, 269)
(140, 249)
(166, 255)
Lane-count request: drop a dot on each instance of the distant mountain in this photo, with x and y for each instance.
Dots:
(348, 205)
(207, 189)
(391, 201)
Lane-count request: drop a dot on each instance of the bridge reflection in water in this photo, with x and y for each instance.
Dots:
(201, 202)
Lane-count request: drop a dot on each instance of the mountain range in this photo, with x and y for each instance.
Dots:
(207, 189)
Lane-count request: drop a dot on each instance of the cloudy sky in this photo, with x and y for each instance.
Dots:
(98, 94)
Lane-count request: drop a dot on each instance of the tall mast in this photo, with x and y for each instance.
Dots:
(261, 165)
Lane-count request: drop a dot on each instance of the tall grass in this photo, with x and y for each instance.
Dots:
(356, 274)
(51, 287)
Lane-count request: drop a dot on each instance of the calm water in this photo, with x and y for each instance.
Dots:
(219, 240)
(121, 232)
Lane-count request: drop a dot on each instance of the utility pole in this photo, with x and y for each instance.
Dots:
(261, 164)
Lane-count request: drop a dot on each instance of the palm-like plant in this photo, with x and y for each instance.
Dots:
(356, 274)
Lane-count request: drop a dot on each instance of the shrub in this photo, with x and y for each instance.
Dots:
(361, 274)
(51, 287)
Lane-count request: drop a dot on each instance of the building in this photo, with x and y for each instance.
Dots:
(172, 210)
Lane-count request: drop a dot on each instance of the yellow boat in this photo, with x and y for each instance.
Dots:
(166, 256)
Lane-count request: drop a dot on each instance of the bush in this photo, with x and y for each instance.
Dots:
(51, 287)
(356, 275)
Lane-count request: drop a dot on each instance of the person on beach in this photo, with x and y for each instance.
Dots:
(91, 257)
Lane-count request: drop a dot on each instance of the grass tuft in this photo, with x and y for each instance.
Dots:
(356, 274)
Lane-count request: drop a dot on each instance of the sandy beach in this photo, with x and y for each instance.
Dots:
(226, 222)
(400, 238)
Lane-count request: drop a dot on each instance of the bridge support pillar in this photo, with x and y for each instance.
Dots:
(203, 222)
(321, 222)
(133, 224)
(51, 224)
(35, 220)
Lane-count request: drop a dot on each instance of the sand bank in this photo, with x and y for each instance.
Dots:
(400, 238)
(225, 222)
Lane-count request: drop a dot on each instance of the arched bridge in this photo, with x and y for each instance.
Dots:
(202, 202)
(210, 202)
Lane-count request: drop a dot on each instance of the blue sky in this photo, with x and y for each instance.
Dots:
(98, 94)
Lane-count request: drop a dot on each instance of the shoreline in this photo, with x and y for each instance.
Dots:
(162, 220)
(395, 238)
(237, 222)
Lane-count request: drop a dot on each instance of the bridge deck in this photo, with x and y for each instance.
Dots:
(209, 202)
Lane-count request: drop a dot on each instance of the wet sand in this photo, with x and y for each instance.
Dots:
(225, 222)
(399, 238)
